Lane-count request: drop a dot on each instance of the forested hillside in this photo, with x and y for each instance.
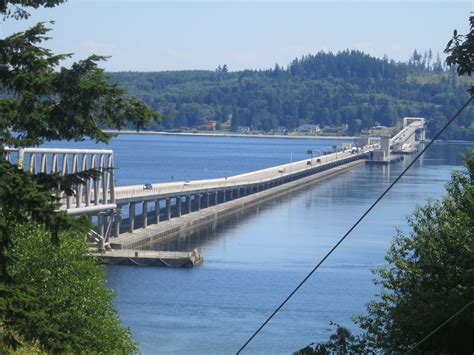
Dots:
(328, 89)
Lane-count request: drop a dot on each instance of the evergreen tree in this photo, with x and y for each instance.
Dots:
(39, 102)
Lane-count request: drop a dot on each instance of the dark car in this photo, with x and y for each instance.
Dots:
(147, 186)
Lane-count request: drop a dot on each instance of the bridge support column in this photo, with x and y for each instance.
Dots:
(168, 208)
(224, 197)
(216, 197)
(198, 201)
(188, 204)
(208, 199)
(385, 146)
(131, 217)
(117, 220)
(145, 214)
(231, 194)
(178, 205)
(238, 192)
(157, 211)
(102, 224)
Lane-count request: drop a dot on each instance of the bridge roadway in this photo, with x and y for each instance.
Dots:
(403, 140)
(137, 193)
(167, 198)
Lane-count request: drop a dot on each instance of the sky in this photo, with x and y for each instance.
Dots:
(182, 35)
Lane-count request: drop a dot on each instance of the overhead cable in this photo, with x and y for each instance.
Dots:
(448, 123)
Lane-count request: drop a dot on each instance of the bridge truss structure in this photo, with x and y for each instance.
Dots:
(96, 197)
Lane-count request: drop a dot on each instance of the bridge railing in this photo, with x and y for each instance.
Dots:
(246, 179)
(405, 133)
(93, 196)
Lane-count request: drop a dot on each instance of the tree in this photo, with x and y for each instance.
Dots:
(74, 312)
(461, 54)
(416, 58)
(41, 102)
(342, 342)
(438, 65)
(430, 270)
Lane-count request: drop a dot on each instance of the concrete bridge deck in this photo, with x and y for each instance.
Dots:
(164, 230)
(137, 193)
(172, 200)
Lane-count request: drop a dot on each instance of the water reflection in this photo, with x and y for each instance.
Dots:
(254, 259)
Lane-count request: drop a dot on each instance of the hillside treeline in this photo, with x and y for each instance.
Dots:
(348, 88)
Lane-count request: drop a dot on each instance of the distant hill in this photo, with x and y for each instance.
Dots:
(348, 88)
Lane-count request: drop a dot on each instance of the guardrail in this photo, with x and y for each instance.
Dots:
(160, 190)
(93, 196)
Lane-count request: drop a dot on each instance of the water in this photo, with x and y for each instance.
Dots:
(252, 261)
(155, 158)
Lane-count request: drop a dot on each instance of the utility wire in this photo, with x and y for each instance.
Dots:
(439, 327)
(356, 224)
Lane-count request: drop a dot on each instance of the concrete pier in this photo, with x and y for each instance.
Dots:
(151, 258)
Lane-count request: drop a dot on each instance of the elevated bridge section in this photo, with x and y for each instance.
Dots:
(95, 195)
(406, 140)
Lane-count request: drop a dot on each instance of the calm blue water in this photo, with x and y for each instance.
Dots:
(154, 158)
(252, 261)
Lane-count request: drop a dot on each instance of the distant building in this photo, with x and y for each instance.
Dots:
(213, 124)
(309, 128)
(243, 129)
(377, 129)
(210, 126)
(333, 129)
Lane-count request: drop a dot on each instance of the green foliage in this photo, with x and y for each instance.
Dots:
(41, 101)
(461, 54)
(342, 342)
(22, 199)
(49, 104)
(430, 270)
(325, 89)
(429, 277)
(67, 307)
(16, 8)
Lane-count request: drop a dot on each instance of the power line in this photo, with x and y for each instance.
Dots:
(439, 327)
(355, 224)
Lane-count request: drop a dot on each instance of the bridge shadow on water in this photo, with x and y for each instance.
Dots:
(206, 235)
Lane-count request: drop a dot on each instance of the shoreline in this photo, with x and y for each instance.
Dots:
(205, 134)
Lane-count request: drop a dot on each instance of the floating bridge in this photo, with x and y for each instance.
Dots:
(115, 207)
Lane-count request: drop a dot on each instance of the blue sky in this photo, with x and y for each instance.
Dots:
(159, 35)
